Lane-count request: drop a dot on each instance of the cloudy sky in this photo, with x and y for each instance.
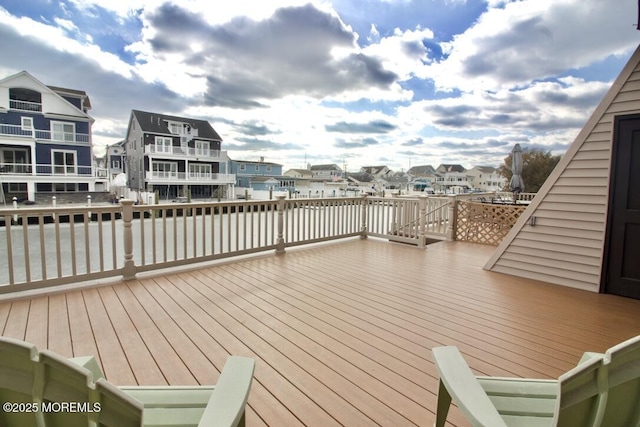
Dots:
(355, 82)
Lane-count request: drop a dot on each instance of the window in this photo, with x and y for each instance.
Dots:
(15, 161)
(243, 167)
(27, 125)
(64, 162)
(175, 128)
(257, 167)
(268, 168)
(115, 164)
(61, 131)
(163, 145)
(17, 187)
(165, 170)
(199, 171)
(202, 148)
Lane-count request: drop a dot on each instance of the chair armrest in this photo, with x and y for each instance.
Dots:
(229, 398)
(90, 363)
(464, 389)
(588, 356)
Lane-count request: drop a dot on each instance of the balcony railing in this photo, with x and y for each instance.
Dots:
(184, 176)
(44, 135)
(184, 151)
(15, 104)
(86, 243)
(44, 169)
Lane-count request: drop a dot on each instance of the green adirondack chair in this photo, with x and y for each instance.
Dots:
(36, 385)
(603, 390)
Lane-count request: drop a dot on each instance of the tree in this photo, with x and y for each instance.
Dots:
(537, 165)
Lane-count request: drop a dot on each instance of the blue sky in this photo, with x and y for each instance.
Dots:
(357, 82)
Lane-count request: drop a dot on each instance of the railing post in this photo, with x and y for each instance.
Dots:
(452, 223)
(363, 223)
(129, 270)
(280, 241)
(89, 205)
(422, 221)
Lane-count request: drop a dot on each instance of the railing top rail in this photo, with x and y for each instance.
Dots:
(60, 210)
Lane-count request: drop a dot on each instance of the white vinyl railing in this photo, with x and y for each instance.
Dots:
(51, 246)
(44, 135)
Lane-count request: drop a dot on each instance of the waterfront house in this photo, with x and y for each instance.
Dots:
(451, 179)
(45, 139)
(175, 156)
(486, 178)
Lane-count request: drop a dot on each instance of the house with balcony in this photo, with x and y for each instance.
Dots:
(175, 156)
(451, 179)
(45, 139)
(486, 178)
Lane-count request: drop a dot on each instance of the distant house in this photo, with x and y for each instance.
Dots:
(582, 229)
(421, 171)
(451, 179)
(299, 173)
(175, 155)
(398, 181)
(251, 174)
(45, 139)
(486, 178)
(444, 168)
(330, 172)
(361, 181)
(115, 157)
(376, 171)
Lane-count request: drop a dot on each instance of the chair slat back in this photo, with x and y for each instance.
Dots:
(65, 392)
(17, 378)
(582, 395)
(623, 362)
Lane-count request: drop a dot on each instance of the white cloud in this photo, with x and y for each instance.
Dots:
(532, 39)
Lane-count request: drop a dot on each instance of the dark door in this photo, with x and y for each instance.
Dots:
(622, 272)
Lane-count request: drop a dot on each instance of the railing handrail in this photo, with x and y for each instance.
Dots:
(43, 134)
(202, 231)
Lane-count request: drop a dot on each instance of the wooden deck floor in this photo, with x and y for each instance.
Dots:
(341, 332)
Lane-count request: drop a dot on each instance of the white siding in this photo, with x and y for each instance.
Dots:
(566, 245)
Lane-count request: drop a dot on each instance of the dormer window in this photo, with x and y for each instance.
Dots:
(175, 128)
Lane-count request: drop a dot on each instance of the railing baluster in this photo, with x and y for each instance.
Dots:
(25, 237)
(114, 246)
(58, 251)
(100, 242)
(43, 252)
(7, 225)
(72, 238)
(86, 218)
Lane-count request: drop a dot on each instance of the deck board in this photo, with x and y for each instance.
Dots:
(341, 333)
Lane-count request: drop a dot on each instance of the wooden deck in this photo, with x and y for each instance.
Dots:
(341, 332)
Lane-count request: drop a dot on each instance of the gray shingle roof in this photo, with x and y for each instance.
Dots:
(155, 123)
